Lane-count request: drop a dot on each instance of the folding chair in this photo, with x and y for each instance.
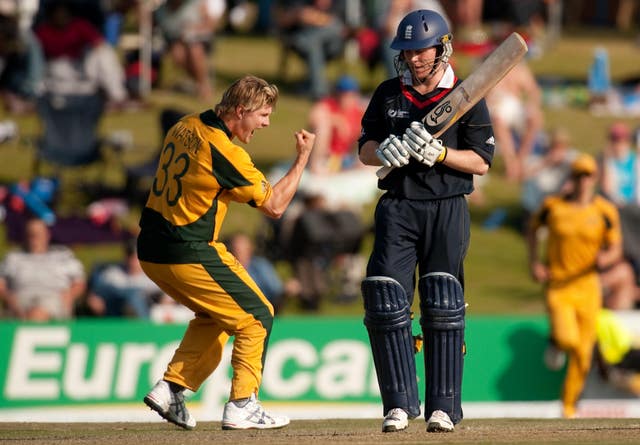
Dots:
(70, 124)
(70, 139)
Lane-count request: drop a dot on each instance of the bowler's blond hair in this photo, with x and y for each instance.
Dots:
(250, 92)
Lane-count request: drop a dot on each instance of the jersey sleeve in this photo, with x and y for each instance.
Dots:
(613, 234)
(478, 131)
(539, 218)
(242, 180)
(374, 127)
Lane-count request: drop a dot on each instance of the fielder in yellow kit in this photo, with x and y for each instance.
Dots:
(199, 172)
(584, 236)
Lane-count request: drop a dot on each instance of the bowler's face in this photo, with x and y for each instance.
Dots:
(252, 121)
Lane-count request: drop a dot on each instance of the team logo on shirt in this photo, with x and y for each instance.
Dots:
(490, 141)
(397, 113)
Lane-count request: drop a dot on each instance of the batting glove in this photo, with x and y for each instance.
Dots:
(392, 152)
(422, 146)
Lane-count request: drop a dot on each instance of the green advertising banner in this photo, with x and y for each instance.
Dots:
(310, 359)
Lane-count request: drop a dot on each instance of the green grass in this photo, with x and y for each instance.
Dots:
(497, 279)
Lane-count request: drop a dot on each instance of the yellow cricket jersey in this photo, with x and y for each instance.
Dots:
(576, 234)
(199, 172)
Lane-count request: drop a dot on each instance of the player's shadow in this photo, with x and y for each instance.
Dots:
(526, 377)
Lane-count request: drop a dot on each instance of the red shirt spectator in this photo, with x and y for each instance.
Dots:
(63, 35)
(346, 128)
(336, 121)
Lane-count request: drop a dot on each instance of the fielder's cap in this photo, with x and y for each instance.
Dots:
(584, 164)
(346, 83)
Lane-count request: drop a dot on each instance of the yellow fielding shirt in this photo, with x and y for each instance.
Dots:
(576, 234)
(199, 172)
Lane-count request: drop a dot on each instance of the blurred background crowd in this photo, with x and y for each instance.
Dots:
(88, 88)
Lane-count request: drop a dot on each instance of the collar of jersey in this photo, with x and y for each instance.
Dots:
(447, 82)
(213, 120)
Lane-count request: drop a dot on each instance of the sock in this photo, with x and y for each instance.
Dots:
(241, 403)
(175, 387)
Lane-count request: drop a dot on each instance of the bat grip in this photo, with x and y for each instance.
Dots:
(383, 172)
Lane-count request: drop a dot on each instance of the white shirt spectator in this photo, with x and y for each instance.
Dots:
(40, 279)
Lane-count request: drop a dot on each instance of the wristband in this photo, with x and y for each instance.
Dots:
(443, 155)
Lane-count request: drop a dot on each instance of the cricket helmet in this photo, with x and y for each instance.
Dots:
(423, 28)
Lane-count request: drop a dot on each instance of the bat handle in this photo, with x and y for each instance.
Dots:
(383, 172)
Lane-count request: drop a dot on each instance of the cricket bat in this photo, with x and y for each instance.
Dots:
(473, 88)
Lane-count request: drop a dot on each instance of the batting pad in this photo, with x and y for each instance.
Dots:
(388, 322)
(443, 310)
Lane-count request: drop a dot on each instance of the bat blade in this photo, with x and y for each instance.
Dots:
(476, 86)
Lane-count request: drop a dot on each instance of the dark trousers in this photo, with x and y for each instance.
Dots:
(430, 235)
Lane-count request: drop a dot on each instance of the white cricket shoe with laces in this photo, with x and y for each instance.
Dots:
(396, 419)
(170, 405)
(439, 422)
(250, 416)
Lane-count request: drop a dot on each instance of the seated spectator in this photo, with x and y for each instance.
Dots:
(620, 169)
(620, 286)
(335, 120)
(320, 239)
(619, 183)
(261, 270)
(188, 28)
(78, 58)
(630, 221)
(41, 282)
(470, 27)
(515, 104)
(21, 65)
(545, 174)
(122, 290)
(316, 31)
(334, 169)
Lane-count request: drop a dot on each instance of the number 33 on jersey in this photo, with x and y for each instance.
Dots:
(199, 172)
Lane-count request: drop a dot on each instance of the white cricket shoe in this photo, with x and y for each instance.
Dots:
(396, 419)
(554, 358)
(170, 405)
(439, 422)
(250, 416)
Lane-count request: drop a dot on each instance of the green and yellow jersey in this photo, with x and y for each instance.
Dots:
(199, 172)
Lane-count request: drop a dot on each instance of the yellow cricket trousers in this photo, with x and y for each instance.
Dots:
(226, 302)
(573, 311)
